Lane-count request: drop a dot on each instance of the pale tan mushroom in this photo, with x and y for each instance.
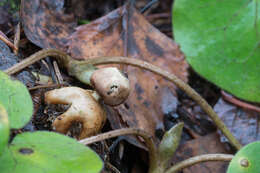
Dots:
(84, 109)
(111, 85)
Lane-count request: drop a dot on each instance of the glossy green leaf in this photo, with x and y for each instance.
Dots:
(48, 152)
(4, 129)
(17, 101)
(169, 144)
(246, 160)
(221, 42)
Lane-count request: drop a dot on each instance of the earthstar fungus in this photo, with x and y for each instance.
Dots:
(84, 109)
(111, 84)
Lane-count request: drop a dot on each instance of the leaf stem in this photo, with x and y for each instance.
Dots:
(66, 60)
(198, 159)
(6, 41)
(36, 57)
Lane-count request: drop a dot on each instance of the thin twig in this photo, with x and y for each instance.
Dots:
(57, 72)
(6, 41)
(17, 37)
(157, 16)
(34, 58)
(137, 63)
(239, 103)
(46, 86)
(198, 159)
(147, 6)
(112, 167)
(127, 131)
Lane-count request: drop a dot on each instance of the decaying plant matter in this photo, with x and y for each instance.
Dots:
(160, 156)
(68, 62)
(84, 109)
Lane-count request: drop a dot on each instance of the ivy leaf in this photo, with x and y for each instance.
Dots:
(17, 101)
(221, 42)
(246, 160)
(50, 152)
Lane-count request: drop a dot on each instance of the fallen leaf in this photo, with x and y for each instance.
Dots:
(5, 17)
(45, 23)
(243, 124)
(203, 145)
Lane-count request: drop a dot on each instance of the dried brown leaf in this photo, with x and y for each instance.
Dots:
(202, 145)
(45, 23)
(244, 124)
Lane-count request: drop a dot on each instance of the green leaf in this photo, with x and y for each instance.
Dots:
(17, 101)
(4, 129)
(169, 144)
(48, 152)
(246, 160)
(221, 42)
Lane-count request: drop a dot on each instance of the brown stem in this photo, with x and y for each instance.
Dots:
(137, 63)
(17, 37)
(239, 103)
(158, 15)
(46, 86)
(36, 57)
(198, 159)
(111, 167)
(128, 131)
(6, 41)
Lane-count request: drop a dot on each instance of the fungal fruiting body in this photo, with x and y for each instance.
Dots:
(112, 85)
(84, 108)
